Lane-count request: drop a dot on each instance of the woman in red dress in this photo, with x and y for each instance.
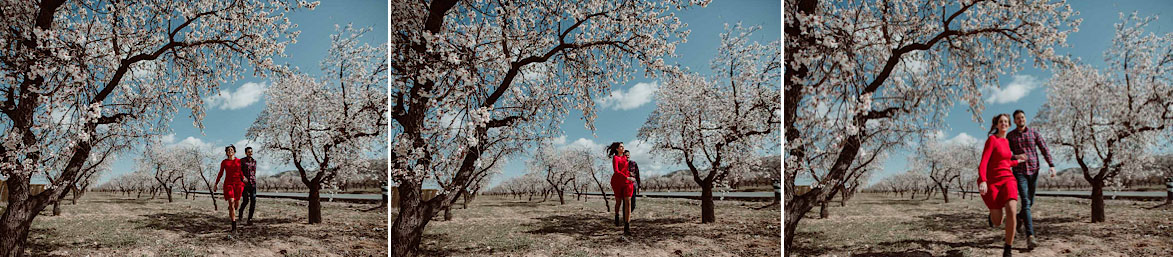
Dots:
(233, 182)
(996, 181)
(622, 183)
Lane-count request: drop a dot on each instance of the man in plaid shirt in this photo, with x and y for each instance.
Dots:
(248, 166)
(1027, 141)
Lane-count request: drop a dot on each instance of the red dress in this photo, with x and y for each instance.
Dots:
(619, 182)
(995, 171)
(233, 179)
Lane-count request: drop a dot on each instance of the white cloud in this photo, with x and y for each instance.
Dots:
(199, 144)
(168, 139)
(634, 97)
(962, 138)
(1018, 88)
(586, 144)
(561, 140)
(244, 96)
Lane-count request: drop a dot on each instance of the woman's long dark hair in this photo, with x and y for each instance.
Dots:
(613, 149)
(994, 126)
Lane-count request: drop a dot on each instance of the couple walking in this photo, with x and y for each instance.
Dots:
(239, 180)
(624, 183)
(1007, 175)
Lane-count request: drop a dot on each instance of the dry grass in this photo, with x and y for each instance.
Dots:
(882, 225)
(500, 226)
(115, 225)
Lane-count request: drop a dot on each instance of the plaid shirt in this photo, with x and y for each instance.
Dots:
(248, 166)
(1026, 141)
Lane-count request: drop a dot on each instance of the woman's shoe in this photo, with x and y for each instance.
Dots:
(617, 220)
(1005, 250)
(627, 228)
(234, 226)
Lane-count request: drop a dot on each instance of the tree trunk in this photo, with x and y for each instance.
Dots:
(408, 226)
(823, 214)
(707, 215)
(1097, 200)
(561, 201)
(944, 192)
(315, 206)
(18, 216)
(168, 189)
(796, 209)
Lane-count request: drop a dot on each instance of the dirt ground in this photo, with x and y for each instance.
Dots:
(883, 225)
(502, 226)
(116, 225)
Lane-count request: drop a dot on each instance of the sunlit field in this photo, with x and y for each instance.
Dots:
(107, 224)
(506, 226)
(884, 225)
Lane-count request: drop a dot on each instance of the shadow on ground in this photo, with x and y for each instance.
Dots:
(208, 225)
(41, 247)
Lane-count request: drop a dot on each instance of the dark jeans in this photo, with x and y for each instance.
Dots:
(1026, 198)
(250, 193)
(634, 191)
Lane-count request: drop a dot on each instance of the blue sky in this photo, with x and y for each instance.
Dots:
(621, 116)
(230, 114)
(1026, 90)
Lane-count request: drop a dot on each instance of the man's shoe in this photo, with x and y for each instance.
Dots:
(1031, 242)
(1005, 250)
(1018, 225)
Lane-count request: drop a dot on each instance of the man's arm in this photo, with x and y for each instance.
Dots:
(1042, 144)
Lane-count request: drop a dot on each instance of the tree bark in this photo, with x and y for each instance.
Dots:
(707, 215)
(315, 205)
(1097, 200)
(823, 214)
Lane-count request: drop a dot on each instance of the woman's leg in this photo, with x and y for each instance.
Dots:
(618, 205)
(1011, 208)
(627, 209)
(232, 205)
(996, 217)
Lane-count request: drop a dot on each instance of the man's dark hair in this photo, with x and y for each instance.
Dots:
(248, 148)
(1016, 112)
(626, 152)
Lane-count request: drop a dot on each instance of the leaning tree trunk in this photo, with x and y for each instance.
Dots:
(18, 215)
(561, 201)
(414, 215)
(944, 192)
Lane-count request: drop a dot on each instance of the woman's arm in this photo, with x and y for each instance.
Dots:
(985, 160)
(218, 175)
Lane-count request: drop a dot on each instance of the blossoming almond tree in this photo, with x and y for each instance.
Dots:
(122, 68)
(715, 125)
(1108, 122)
(899, 65)
(326, 127)
(510, 70)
